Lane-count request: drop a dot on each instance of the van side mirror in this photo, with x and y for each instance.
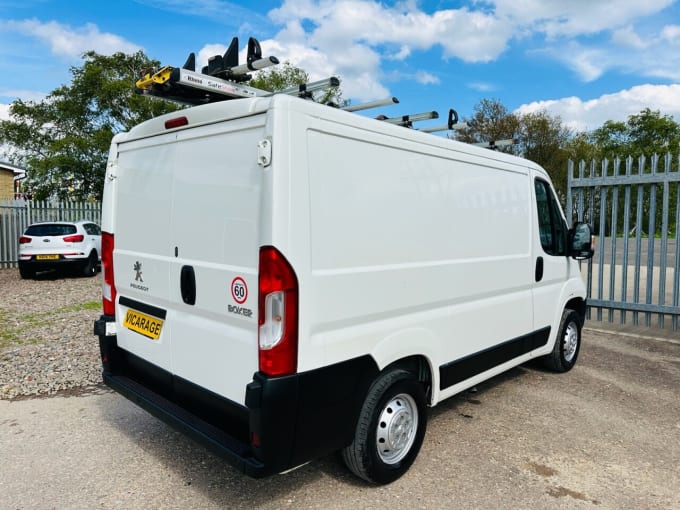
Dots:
(581, 241)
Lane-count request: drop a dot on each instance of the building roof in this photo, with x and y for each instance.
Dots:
(17, 171)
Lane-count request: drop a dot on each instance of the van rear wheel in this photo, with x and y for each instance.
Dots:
(390, 430)
(567, 345)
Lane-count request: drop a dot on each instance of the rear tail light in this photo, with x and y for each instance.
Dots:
(24, 240)
(108, 286)
(278, 314)
(78, 238)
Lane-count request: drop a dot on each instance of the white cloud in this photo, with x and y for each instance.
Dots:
(589, 63)
(472, 36)
(671, 33)
(69, 42)
(25, 95)
(4, 111)
(627, 37)
(588, 115)
(657, 55)
(557, 18)
(426, 78)
(482, 86)
(350, 38)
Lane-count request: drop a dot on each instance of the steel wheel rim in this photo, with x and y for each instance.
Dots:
(396, 429)
(570, 342)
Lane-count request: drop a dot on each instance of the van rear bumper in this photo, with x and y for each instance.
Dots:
(235, 452)
(286, 421)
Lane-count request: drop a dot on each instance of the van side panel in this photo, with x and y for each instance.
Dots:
(415, 252)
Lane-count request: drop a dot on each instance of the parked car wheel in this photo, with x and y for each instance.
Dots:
(390, 430)
(26, 273)
(90, 267)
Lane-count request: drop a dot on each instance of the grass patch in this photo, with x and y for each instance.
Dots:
(18, 335)
(90, 305)
(8, 336)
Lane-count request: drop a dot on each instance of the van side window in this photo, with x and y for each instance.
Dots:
(551, 226)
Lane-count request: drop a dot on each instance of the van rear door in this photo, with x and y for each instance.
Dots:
(186, 252)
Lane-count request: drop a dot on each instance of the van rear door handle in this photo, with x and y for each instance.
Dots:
(539, 269)
(187, 284)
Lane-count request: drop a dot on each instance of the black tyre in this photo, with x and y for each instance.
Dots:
(26, 273)
(390, 430)
(567, 345)
(90, 266)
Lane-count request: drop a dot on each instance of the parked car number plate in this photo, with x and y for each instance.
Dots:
(143, 324)
(47, 257)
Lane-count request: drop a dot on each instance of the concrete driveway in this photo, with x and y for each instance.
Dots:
(605, 435)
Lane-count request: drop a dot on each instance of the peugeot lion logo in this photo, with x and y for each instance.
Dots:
(138, 271)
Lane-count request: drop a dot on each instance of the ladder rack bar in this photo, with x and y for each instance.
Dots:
(372, 104)
(407, 119)
(216, 85)
(455, 127)
(256, 65)
(452, 123)
(307, 88)
(494, 144)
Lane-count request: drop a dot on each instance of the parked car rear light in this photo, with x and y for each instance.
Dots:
(78, 238)
(278, 314)
(108, 286)
(24, 240)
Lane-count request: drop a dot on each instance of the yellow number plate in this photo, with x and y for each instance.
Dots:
(143, 324)
(47, 257)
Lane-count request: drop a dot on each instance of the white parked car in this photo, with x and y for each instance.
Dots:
(60, 245)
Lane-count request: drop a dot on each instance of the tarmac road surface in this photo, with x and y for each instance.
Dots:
(605, 435)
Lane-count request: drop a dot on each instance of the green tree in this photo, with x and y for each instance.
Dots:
(539, 136)
(490, 121)
(580, 146)
(542, 139)
(647, 132)
(277, 78)
(63, 140)
(652, 133)
(612, 139)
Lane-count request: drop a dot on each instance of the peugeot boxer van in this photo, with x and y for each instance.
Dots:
(283, 279)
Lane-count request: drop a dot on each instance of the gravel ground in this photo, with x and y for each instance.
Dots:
(46, 341)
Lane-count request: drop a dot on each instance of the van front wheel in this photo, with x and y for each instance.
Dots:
(390, 430)
(567, 345)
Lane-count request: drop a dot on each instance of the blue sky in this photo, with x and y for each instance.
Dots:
(585, 60)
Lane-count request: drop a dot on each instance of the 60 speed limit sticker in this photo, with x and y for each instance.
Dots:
(239, 290)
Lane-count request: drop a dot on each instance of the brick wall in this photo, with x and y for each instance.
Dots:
(6, 184)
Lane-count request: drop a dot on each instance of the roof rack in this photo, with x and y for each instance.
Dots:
(224, 79)
(497, 144)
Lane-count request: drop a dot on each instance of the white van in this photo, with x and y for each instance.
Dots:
(284, 279)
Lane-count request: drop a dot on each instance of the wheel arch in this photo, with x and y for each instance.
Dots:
(579, 306)
(421, 367)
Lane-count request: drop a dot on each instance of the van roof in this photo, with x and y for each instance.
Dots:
(237, 108)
